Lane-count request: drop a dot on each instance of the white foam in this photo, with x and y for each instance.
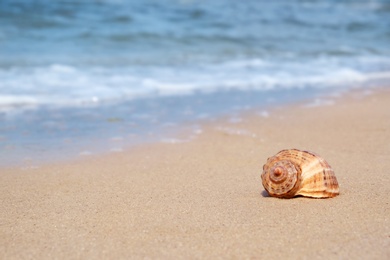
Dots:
(174, 140)
(116, 150)
(198, 131)
(116, 139)
(264, 114)
(318, 102)
(12, 102)
(64, 85)
(235, 120)
(85, 153)
(235, 131)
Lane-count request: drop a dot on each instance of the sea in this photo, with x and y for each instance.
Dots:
(87, 77)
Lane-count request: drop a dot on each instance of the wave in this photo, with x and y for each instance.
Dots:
(74, 86)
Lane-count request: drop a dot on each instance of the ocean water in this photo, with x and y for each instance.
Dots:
(82, 77)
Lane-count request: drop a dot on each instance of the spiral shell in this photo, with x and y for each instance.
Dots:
(293, 172)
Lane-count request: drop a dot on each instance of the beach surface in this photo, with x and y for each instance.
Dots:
(203, 198)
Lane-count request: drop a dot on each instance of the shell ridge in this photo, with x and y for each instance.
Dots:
(313, 176)
(319, 180)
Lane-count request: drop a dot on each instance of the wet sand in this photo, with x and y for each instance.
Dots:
(204, 198)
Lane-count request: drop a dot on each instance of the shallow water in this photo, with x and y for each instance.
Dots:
(83, 77)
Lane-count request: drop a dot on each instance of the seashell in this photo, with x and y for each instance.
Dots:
(293, 172)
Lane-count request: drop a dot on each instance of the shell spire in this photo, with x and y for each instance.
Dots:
(294, 172)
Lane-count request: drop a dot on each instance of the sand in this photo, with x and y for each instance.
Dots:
(204, 199)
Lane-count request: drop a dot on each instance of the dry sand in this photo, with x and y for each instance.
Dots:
(204, 198)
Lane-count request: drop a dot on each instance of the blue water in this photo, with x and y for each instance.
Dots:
(74, 72)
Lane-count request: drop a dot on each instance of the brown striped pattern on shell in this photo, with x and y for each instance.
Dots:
(294, 172)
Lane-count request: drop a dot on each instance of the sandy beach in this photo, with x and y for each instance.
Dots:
(204, 198)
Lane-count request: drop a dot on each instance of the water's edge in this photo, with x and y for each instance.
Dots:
(62, 135)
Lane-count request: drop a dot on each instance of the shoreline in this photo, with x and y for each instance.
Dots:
(54, 134)
(204, 198)
(115, 134)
